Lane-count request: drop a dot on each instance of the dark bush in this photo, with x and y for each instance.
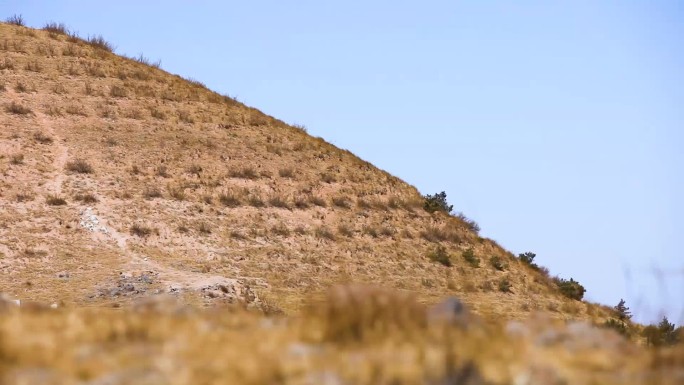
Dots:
(496, 262)
(440, 254)
(505, 285)
(571, 289)
(437, 202)
(471, 258)
(15, 20)
(79, 166)
(618, 326)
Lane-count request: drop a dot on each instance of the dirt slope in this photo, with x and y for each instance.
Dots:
(119, 180)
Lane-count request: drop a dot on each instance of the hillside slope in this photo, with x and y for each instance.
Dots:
(119, 180)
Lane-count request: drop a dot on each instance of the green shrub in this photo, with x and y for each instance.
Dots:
(471, 258)
(440, 254)
(527, 258)
(496, 262)
(505, 285)
(437, 202)
(618, 326)
(663, 334)
(570, 288)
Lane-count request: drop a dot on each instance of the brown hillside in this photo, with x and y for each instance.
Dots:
(119, 180)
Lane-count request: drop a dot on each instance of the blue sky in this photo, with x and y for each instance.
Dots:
(558, 126)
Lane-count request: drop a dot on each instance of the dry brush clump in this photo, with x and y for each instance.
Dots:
(79, 166)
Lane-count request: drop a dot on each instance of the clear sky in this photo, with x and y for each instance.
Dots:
(558, 126)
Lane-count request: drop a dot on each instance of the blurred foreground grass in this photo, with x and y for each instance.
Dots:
(357, 335)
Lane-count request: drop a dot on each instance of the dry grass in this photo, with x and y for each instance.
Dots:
(54, 200)
(18, 109)
(79, 166)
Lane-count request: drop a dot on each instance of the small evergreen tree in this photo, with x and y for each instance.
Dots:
(622, 311)
(437, 202)
(527, 258)
(667, 330)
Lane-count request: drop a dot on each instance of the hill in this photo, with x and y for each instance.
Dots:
(121, 180)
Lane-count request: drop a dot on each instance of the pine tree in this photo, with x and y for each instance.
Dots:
(622, 311)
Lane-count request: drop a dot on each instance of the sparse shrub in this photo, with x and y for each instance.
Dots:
(117, 92)
(194, 169)
(471, 258)
(469, 223)
(157, 113)
(281, 230)
(141, 231)
(42, 138)
(162, 171)
(363, 204)
(16, 20)
(237, 235)
(246, 172)
(54, 200)
(255, 200)
(21, 87)
(34, 66)
(440, 254)
(22, 197)
(3, 88)
(371, 231)
(571, 289)
(58, 28)
(618, 326)
(100, 43)
(437, 202)
(185, 117)
(435, 234)
(177, 193)
(345, 230)
(75, 110)
(328, 178)
(79, 166)
(6, 64)
(17, 109)
(287, 172)
(341, 202)
(527, 257)
(325, 233)
(301, 202)
(17, 159)
(204, 228)
(318, 201)
(278, 201)
(387, 231)
(505, 285)
(86, 198)
(152, 192)
(496, 262)
(230, 199)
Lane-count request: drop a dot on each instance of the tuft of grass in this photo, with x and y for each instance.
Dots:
(255, 200)
(194, 169)
(22, 197)
(152, 192)
(204, 228)
(16, 20)
(496, 262)
(341, 202)
(230, 198)
(436, 234)
(141, 231)
(54, 200)
(325, 233)
(345, 230)
(318, 201)
(287, 172)
(471, 258)
(439, 254)
(328, 178)
(281, 229)
(17, 159)
(79, 166)
(86, 198)
(278, 201)
(162, 171)
(246, 172)
(177, 193)
(17, 109)
(58, 28)
(42, 138)
(118, 92)
(33, 66)
(99, 42)
(505, 285)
